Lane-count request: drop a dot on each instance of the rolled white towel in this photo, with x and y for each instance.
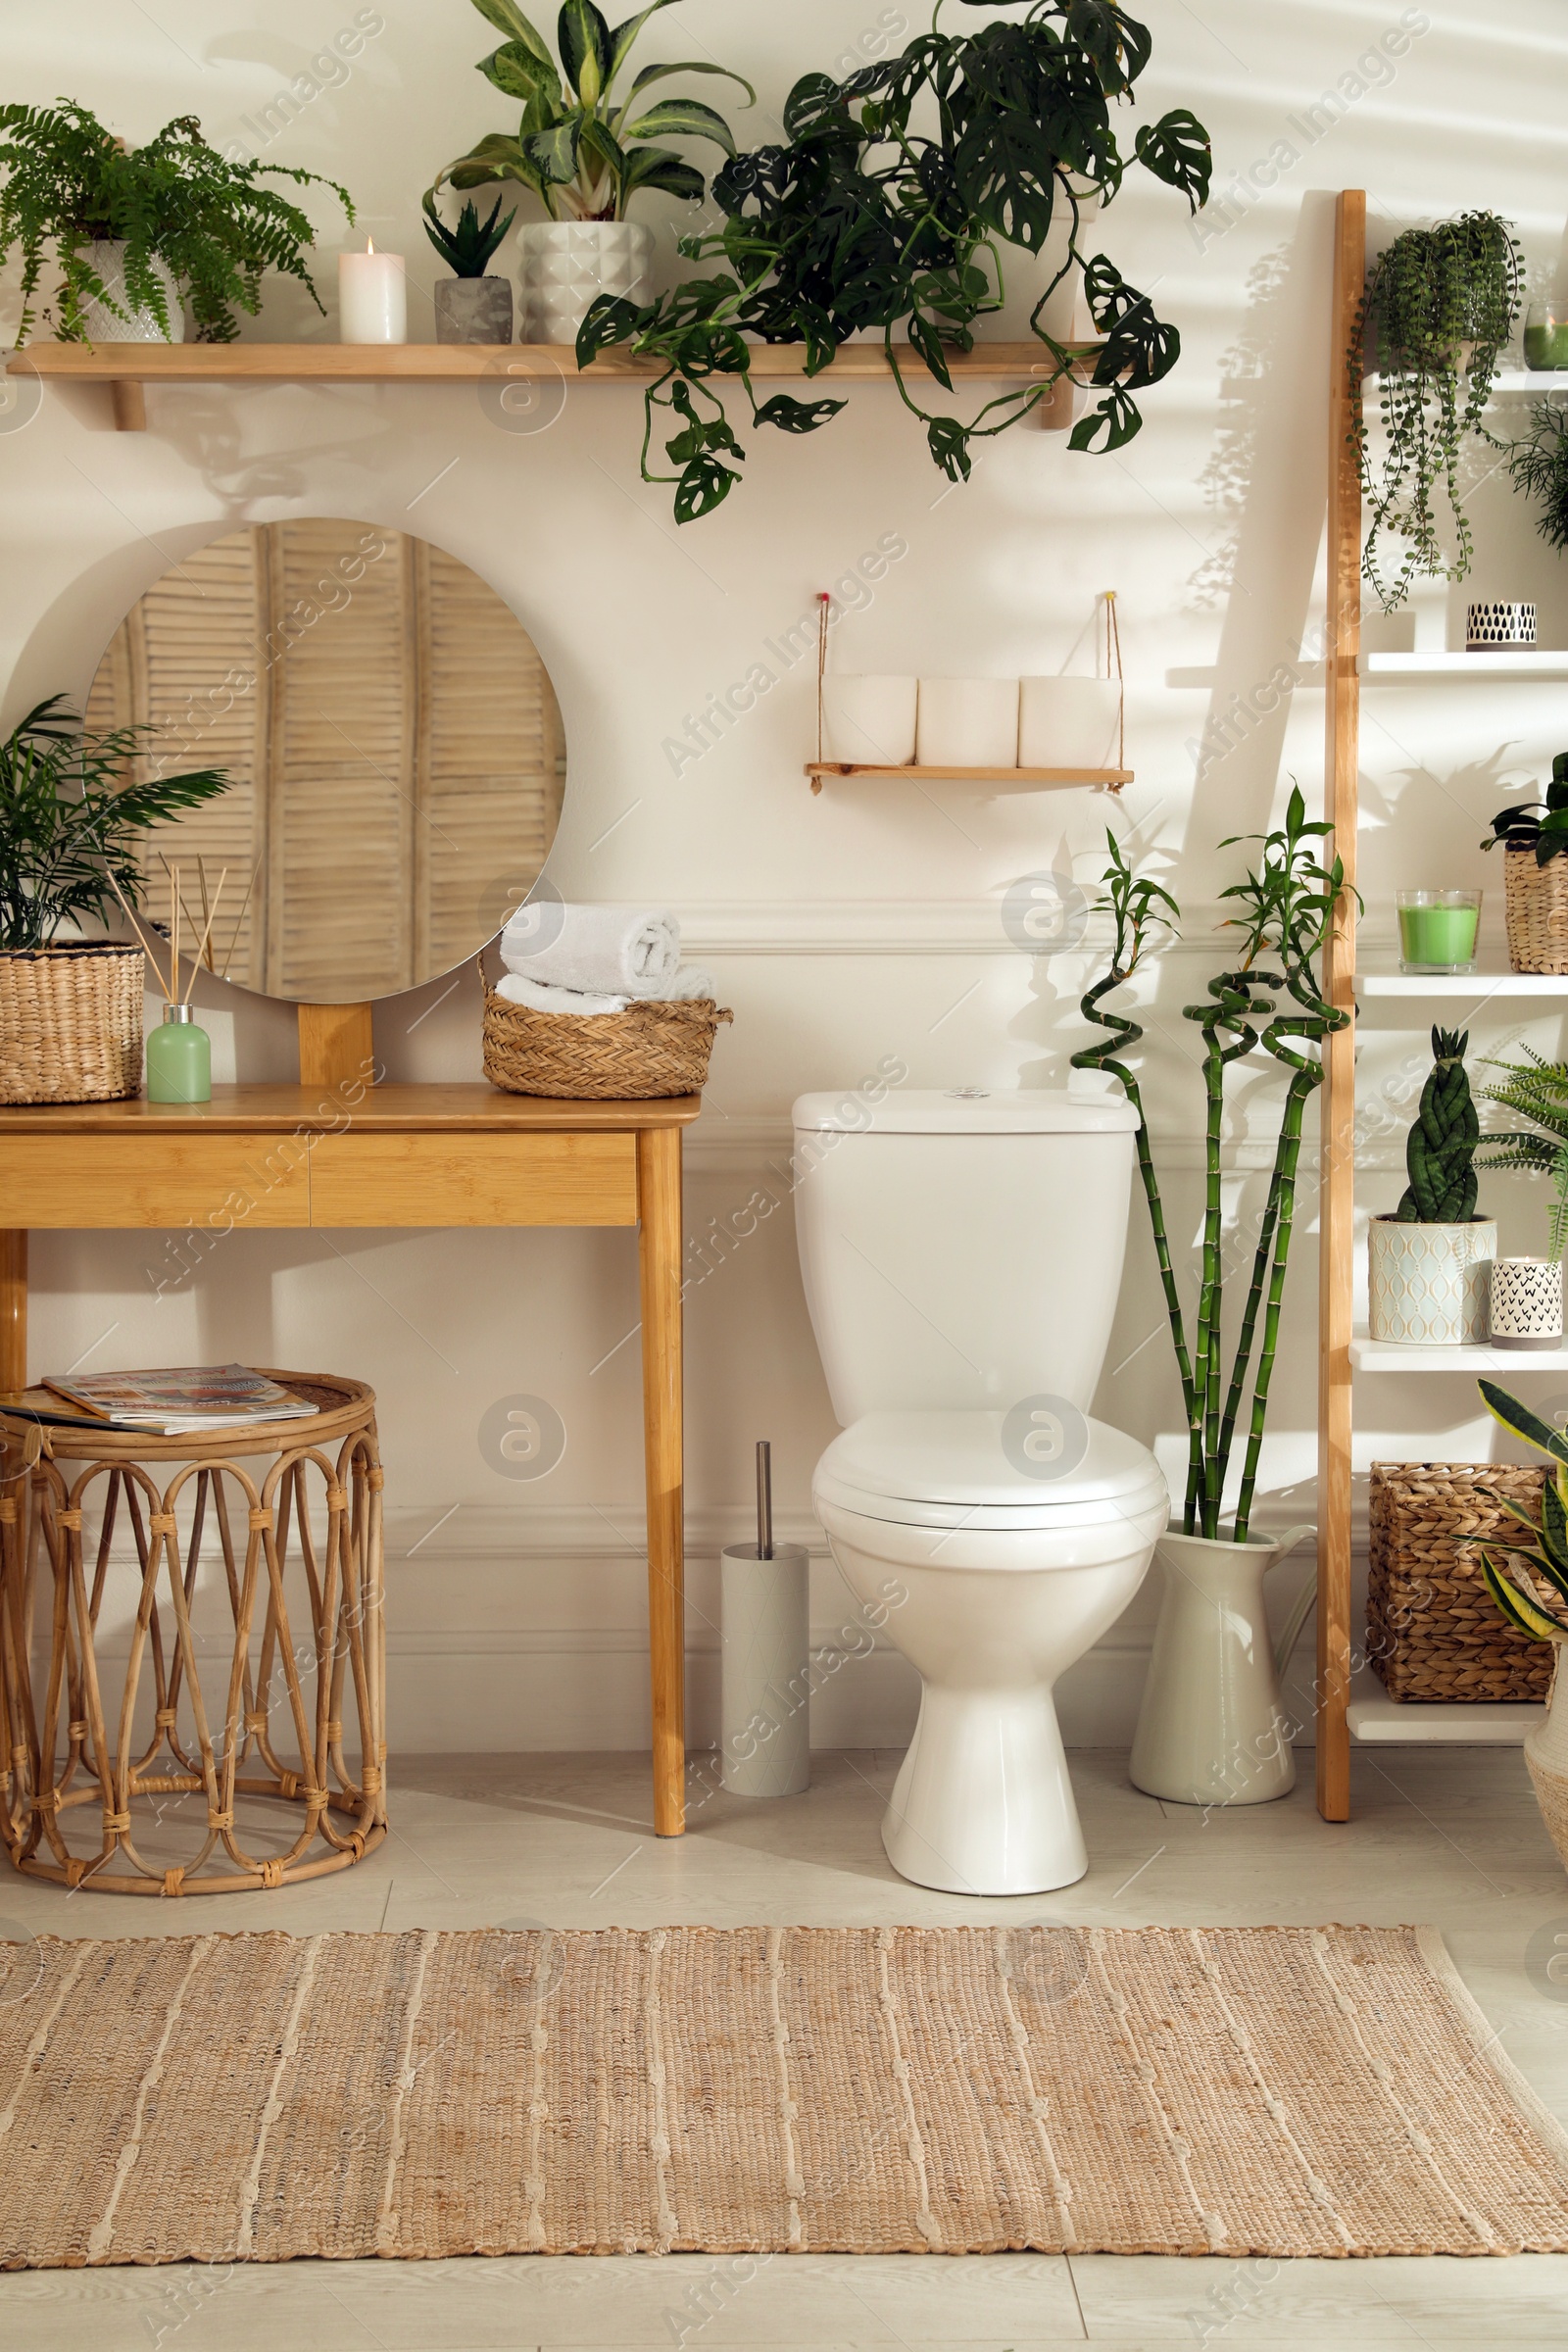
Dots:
(690, 985)
(631, 951)
(519, 989)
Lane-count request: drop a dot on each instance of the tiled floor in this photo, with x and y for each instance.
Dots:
(1446, 1836)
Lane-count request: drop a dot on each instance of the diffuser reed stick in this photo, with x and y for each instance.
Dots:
(202, 951)
(239, 919)
(146, 945)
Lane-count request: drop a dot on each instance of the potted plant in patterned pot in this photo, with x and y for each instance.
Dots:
(1430, 1262)
(470, 306)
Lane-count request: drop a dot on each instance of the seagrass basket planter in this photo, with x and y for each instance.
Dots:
(1536, 902)
(70, 1023)
(647, 1052)
(1434, 1632)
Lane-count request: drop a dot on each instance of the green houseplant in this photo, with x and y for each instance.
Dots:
(1538, 468)
(1534, 836)
(586, 146)
(1527, 1292)
(71, 1009)
(470, 306)
(1529, 1582)
(1213, 1665)
(1438, 307)
(889, 208)
(134, 230)
(1429, 1263)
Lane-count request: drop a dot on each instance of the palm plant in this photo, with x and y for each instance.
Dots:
(1286, 905)
(69, 184)
(1529, 1582)
(1536, 1090)
(571, 146)
(68, 825)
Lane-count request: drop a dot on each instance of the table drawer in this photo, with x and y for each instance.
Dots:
(215, 1180)
(361, 1178)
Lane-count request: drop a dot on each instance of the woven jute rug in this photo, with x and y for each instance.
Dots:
(1274, 2091)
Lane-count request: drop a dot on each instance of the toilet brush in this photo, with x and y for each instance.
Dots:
(765, 1701)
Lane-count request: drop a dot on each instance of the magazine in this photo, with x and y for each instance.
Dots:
(182, 1401)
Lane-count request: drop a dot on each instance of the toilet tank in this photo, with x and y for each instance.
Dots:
(961, 1251)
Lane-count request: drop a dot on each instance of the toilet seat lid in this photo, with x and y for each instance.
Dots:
(1038, 1465)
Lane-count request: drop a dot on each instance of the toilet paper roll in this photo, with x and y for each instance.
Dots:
(968, 722)
(870, 720)
(765, 1701)
(1070, 722)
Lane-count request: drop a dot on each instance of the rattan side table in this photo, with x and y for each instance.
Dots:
(201, 1571)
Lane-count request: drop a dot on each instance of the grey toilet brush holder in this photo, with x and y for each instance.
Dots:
(766, 1626)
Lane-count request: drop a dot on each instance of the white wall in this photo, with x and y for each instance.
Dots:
(844, 928)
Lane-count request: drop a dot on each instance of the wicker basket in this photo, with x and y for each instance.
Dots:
(635, 1055)
(1434, 1632)
(70, 1023)
(1535, 898)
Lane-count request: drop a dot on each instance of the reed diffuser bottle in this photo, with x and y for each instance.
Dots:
(179, 1052)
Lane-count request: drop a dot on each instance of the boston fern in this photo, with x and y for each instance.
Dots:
(68, 825)
(71, 183)
(864, 222)
(1270, 999)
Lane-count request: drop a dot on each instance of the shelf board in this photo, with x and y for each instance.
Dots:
(1537, 663)
(1398, 1355)
(1026, 779)
(1531, 379)
(1384, 1721)
(128, 368)
(1473, 987)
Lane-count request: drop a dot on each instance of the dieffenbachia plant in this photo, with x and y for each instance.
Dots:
(1287, 905)
(1529, 1582)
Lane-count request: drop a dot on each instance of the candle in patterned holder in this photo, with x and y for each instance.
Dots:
(1526, 1303)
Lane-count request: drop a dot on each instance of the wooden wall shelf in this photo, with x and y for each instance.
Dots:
(128, 368)
(1026, 779)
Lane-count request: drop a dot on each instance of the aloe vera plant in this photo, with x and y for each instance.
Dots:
(1529, 1582)
(1440, 1150)
(1287, 905)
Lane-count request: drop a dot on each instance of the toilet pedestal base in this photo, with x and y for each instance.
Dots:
(983, 1804)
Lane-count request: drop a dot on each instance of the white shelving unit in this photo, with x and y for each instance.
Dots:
(1472, 988)
(1400, 1355)
(1531, 379)
(1477, 670)
(1384, 1721)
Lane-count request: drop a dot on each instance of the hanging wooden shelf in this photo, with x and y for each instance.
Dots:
(127, 368)
(1038, 780)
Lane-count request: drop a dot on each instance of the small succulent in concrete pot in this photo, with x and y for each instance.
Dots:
(470, 306)
(1430, 1263)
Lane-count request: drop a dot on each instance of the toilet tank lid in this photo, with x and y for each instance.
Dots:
(1025, 1460)
(916, 1111)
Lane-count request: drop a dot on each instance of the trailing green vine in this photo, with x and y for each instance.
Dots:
(861, 222)
(1432, 296)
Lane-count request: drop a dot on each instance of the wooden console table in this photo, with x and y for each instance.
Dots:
(335, 1155)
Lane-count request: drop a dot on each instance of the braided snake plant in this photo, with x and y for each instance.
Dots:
(1270, 999)
(1440, 1149)
(1529, 1582)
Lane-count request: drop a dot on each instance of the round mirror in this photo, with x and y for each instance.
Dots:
(393, 743)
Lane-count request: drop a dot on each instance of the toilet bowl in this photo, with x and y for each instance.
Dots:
(990, 1591)
(961, 1254)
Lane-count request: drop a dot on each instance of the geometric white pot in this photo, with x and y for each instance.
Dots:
(565, 266)
(1070, 722)
(1429, 1286)
(968, 722)
(104, 325)
(1526, 1304)
(1212, 1730)
(870, 720)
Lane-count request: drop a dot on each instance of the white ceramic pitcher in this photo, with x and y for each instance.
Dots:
(1213, 1728)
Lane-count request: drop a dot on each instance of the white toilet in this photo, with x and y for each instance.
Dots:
(961, 1254)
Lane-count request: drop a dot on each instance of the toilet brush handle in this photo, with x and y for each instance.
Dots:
(764, 1499)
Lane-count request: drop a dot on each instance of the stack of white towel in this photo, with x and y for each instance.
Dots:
(595, 959)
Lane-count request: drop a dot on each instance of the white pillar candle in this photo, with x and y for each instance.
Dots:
(372, 298)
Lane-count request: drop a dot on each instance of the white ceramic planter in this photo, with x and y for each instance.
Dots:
(869, 719)
(565, 266)
(1429, 1286)
(1526, 1304)
(1213, 1728)
(1070, 722)
(968, 722)
(104, 325)
(1547, 1754)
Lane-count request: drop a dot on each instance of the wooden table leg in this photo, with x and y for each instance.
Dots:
(12, 1309)
(659, 1244)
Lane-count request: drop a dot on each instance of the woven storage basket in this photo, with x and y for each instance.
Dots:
(1434, 1632)
(70, 1023)
(635, 1055)
(1535, 898)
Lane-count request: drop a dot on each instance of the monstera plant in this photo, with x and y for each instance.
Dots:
(892, 206)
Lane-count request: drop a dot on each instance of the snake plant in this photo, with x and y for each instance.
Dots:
(1440, 1149)
(1529, 1582)
(1286, 905)
(1536, 1090)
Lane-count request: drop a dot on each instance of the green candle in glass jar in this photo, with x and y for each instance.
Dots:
(1438, 930)
(1545, 337)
